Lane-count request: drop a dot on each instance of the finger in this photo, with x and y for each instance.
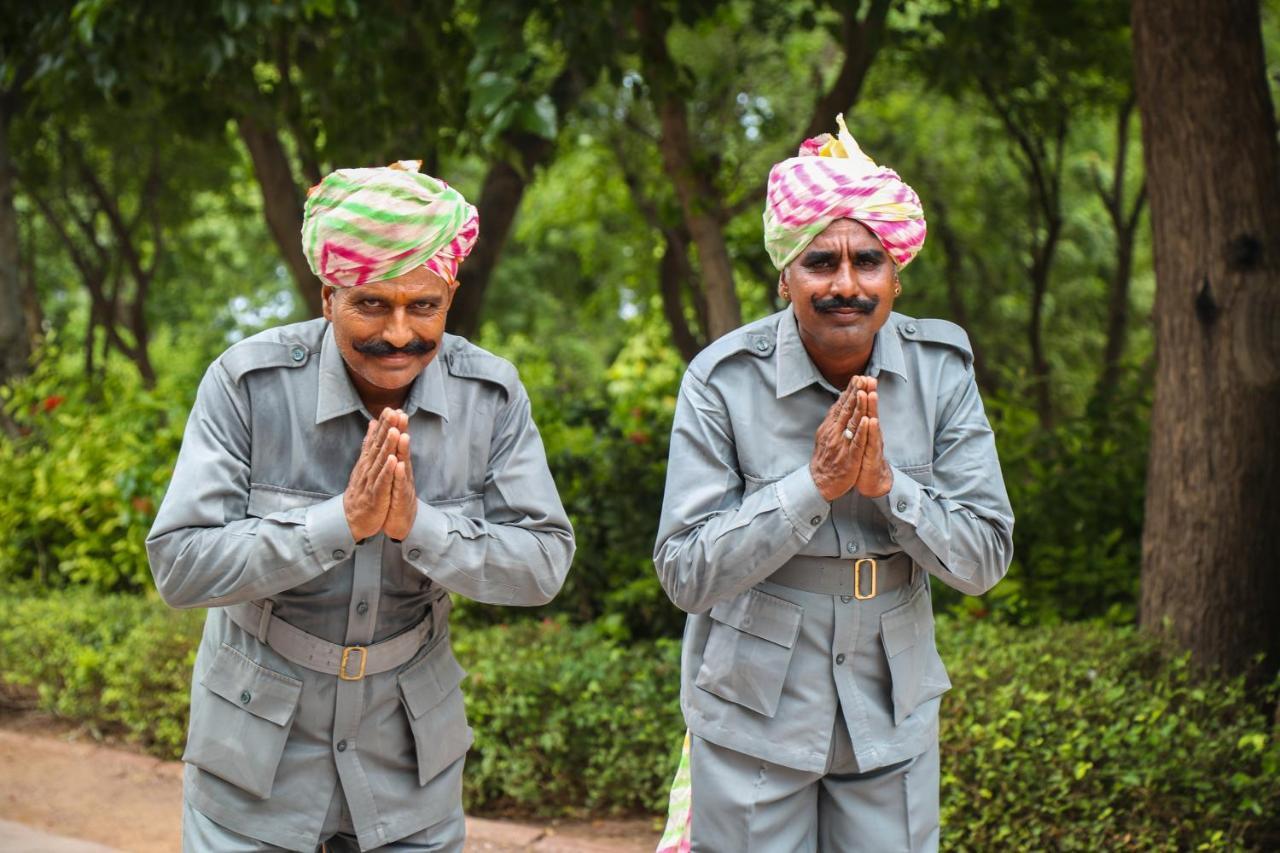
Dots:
(402, 447)
(391, 442)
(362, 461)
(386, 474)
(873, 403)
(860, 439)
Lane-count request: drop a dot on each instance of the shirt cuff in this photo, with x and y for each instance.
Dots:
(328, 532)
(903, 504)
(801, 502)
(428, 536)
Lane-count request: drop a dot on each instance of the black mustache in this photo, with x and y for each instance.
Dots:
(857, 303)
(379, 348)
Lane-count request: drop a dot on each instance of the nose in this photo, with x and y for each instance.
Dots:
(397, 332)
(845, 281)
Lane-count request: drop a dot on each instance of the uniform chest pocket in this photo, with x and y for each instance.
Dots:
(285, 504)
(915, 668)
(749, 650)
(241, 714)
(430, 689)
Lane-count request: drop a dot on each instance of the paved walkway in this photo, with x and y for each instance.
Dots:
(75, 796)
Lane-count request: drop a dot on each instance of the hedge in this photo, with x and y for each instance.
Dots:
(1070, 737)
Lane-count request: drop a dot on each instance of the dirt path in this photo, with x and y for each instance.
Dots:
(59, 780)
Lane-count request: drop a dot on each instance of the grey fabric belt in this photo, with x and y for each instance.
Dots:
(862, 578)
(350, 663)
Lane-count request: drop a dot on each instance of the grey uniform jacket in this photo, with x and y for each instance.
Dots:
(254, 511)
(765, 667)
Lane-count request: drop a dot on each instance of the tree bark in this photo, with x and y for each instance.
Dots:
(282, 205)
(499, 202)
(1124, 223)
(1212, 531)
(15, 345)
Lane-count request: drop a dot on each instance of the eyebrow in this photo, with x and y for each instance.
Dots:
(817, 257)
(868, 255)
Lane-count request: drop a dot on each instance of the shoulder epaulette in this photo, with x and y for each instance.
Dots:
(942, 332)
(468, 361)
(758, 339)
(251, 355)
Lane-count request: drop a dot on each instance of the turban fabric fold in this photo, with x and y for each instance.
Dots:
(833, 179)
(368, 225)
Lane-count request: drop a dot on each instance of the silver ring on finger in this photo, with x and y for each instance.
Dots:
(848, 434)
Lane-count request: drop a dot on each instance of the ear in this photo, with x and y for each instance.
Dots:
(326, 301)
(784, 292)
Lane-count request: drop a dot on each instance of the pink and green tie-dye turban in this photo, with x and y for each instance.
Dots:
(832, 179)
(367, 225)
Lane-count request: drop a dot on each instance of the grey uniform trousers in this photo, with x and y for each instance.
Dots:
(202, 835)
(743, 804)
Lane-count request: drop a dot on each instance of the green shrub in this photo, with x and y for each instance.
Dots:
(1068, 737)
(80, 484)
(567, 720)
(1085, 737)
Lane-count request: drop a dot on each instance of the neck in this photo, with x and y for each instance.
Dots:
(839, 368)
(376, 399)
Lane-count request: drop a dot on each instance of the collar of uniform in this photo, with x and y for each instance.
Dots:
(887, 352)
(336, 396)
(796, 369)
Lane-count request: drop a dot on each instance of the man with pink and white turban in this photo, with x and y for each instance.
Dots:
(825, 463)
(337, 480)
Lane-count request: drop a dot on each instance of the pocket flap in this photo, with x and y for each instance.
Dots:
(264, 499)
(426, 683)
(260, 691)
(900, 626)
(761, 615)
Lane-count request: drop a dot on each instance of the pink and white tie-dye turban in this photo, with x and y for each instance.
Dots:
(832, 179)
(367, 225)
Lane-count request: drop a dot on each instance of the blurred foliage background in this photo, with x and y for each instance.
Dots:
(156, 157)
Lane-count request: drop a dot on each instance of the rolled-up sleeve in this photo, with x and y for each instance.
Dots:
(960, 528)
(518, 548)
(714, 543)
(204, 549)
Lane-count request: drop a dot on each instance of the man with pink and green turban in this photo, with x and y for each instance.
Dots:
(338, 478)
(826, 463)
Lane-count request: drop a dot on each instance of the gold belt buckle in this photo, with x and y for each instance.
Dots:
(857, 579)
(343, 672)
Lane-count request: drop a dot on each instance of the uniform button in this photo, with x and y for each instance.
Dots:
(816, 520)
(414, 553)
(342, 746)
(746, 621)
(839, 659)
(362, 608)
(852, 547)
(846, 598)
(245, 696)
(339, 554)
(911, 330)
(902, 506)
(297, 353)
(762, 345)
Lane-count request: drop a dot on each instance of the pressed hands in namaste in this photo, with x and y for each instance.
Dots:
(380, 497)
(848, 448)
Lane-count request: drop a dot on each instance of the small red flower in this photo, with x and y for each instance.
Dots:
(142, 505)
(52, 402)
(639, 437)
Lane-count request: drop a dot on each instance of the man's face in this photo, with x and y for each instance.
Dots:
(389, 331)
(842, 288)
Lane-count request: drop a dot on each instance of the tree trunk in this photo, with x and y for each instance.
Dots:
(699, 202)
(1212, 532)
(15, 345)
(499, 202)
(282, 205)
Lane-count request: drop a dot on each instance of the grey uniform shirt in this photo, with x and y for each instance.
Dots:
(254, 511)
(765, 667)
